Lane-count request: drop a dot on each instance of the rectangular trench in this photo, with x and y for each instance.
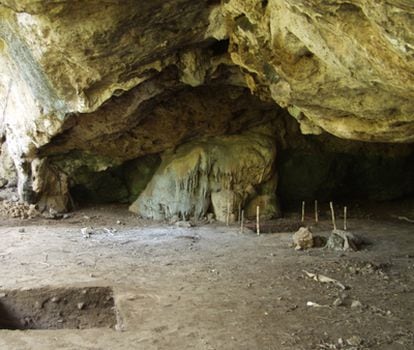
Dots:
(57, 308)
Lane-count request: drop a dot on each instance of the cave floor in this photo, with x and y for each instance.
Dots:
(210, 287)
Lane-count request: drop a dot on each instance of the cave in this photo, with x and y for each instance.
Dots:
(206, 174)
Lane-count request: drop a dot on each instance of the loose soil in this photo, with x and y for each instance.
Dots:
(57, 308)
(210, 287)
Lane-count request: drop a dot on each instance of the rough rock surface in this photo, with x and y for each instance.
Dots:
(303, 239)
(124, 130)
(18, 210)
(221, 171)
(7, 169)
(359, 87)
(134, 78)
(343, 240)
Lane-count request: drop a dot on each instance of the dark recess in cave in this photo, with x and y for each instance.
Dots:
(121, 184)
(213, 2)
(309, 168)
(320, 173)
(220, 47)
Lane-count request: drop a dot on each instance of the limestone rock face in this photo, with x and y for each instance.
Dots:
(7, 169)
(78, 54)
(125, 129)
(58, 59)
(89, 85)
(342, 66)
(225, 205)
(222, 169)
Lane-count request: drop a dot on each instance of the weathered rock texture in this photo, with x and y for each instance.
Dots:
(87, 85)
(7, 169)
(342, 66)
(221, 172)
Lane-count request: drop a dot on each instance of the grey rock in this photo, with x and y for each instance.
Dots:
(343, 241)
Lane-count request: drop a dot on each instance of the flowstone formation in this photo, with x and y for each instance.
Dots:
(220, 173)
(96, 142)
(89, 90)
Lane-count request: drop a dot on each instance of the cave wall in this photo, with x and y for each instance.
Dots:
(345, 67)
(304, 167)
(87, 86)
(327, 168)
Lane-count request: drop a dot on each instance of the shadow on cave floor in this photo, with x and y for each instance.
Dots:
(117, 215)
(242, 291)
(360, 209)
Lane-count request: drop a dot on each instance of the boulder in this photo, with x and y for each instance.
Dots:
(343, 240)
(303, 239)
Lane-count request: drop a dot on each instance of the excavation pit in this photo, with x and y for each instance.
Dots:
(57, 308)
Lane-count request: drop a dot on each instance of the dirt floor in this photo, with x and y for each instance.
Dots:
(210, 287)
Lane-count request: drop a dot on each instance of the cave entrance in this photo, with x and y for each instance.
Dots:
(217, 138)
(307, 168)
(183, 128)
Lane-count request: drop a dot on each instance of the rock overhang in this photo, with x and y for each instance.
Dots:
(340, 67)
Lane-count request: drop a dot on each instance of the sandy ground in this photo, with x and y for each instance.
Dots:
(210, 287)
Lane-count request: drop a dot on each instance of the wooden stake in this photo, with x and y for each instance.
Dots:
(333, 215)
(242, 222)
(316, 212)
(228, 213)
(345, 213)
(303, 211)
(258, 220)
(239, 217)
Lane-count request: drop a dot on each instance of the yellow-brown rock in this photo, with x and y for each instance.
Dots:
(211, 172)
(346, 67)
(94, 83)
